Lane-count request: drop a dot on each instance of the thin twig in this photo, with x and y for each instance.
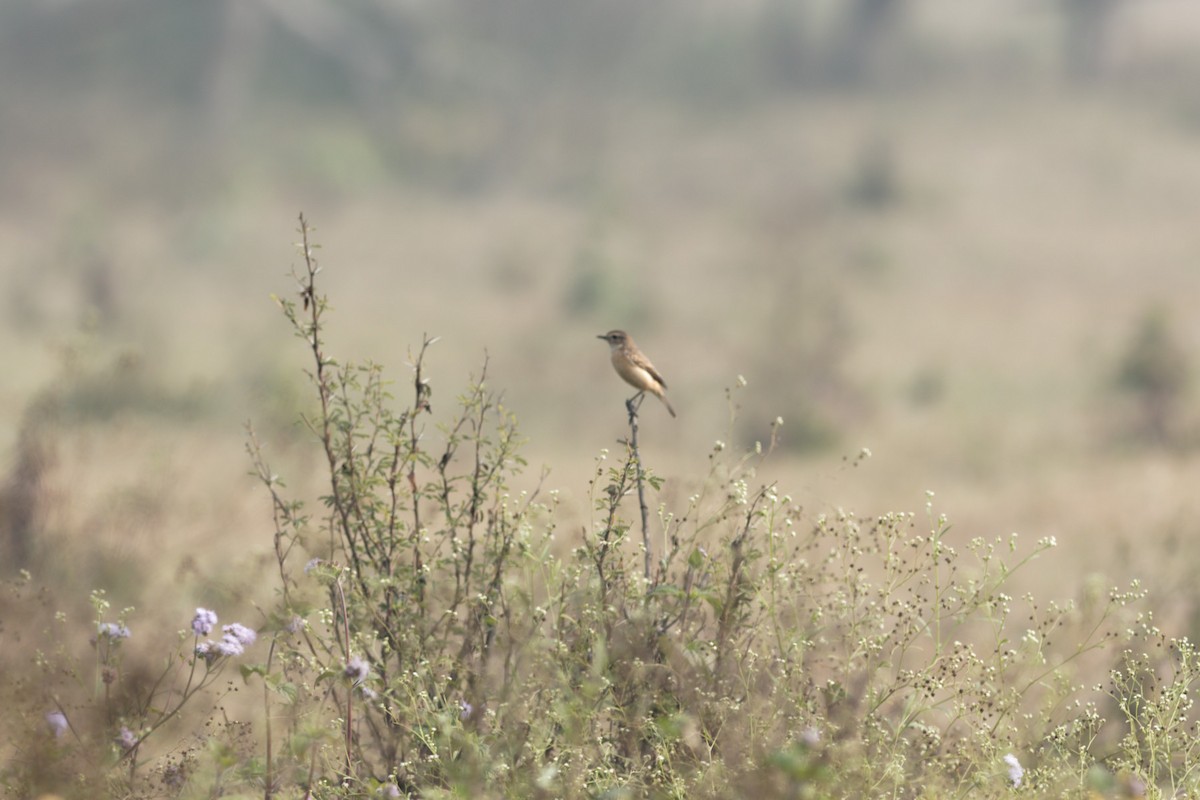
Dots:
(340, 597)
(632, 405)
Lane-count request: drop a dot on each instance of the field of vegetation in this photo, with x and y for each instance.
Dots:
(316, 481)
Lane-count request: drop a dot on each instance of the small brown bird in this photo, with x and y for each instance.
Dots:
(632, 365)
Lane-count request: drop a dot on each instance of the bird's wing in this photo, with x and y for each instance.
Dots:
(653, 372)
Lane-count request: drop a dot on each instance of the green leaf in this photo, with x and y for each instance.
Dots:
(713, 600)
(252, 669)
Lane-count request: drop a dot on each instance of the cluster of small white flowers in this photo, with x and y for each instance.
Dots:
(1016, 773)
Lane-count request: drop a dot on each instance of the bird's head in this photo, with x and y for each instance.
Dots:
(614, 338)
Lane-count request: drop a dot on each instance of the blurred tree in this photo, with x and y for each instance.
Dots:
(239, 44)
(1086, 30)
(874, 185)
(23, 498)
(212, 76)
(801, 373)
(781, 43)
(865, 31)
(1155, 370)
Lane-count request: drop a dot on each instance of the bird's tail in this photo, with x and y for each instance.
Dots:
(663, 397)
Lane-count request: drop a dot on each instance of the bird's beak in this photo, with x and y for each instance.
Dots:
(602, 336)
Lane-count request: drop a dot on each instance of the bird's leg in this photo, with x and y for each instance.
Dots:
(632, 405)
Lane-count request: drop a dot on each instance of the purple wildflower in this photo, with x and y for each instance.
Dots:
(295, 624)
(235, 641)
(126, 739)
(240, 634)
(467, 710)
(112, 631)
(58, 723)
(357, 670)
(174, 775)
(229, 647)
(312, 564)
(204, 621)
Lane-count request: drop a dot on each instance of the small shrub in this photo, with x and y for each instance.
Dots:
(438, 632)
(1155, 371)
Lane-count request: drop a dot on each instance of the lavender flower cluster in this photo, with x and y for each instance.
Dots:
(234, 641)
(111, 632)
(236, 638)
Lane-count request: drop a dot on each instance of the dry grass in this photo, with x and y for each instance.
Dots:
(1029, 233)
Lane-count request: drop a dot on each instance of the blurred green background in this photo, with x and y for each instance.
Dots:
(963, 235)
